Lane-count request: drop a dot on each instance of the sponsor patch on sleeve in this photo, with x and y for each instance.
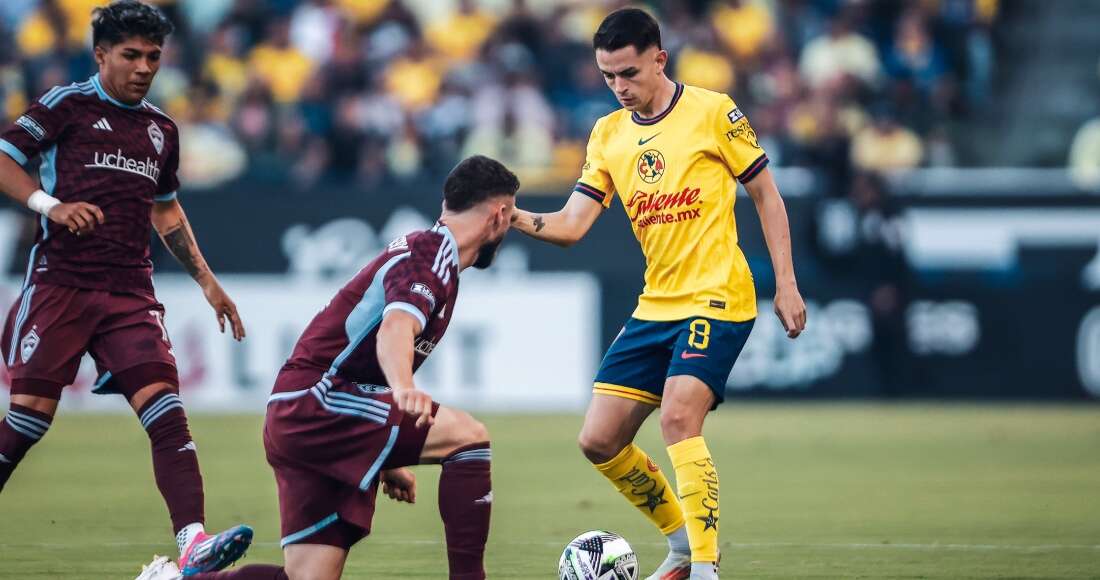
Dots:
(32, 127)
(423, 290)
(735, 115)
(401, 243)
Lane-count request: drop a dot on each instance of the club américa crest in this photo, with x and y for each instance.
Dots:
(651, 166)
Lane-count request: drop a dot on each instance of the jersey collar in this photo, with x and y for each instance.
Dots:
(106, 97)
(654, 120)
(442, 228)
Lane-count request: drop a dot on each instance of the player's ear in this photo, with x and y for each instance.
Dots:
(661, 59)
(100, 54)
(500, 216)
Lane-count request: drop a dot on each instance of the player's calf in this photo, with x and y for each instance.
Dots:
(175, 463)
(461, 444)
(20, 429)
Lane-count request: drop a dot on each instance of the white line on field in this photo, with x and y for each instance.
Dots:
(736, 545)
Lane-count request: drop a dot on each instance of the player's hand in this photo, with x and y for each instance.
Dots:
(80, 217)
(790, 309)
(399, 484)
(413, 401)
(224, 307)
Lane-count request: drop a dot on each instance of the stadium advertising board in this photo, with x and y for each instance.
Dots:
(967, 298)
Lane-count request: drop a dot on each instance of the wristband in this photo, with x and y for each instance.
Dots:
(42, 202)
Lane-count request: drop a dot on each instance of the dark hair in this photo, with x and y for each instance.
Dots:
(627, 27)
(124, 19)
(476, 179)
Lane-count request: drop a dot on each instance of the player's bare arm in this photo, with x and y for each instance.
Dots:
(789, 306)
(564, 227)
(175, 231)
(80, 217)
(395, 355)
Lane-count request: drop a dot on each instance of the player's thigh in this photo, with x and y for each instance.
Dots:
(314, 561)
(131, 347)
(453, 430)
(610, 424)
(45, 335)
(636, 363)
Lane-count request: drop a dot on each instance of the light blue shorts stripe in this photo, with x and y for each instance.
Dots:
(300, 535)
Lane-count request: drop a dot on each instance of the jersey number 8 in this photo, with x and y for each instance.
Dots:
(700, 334)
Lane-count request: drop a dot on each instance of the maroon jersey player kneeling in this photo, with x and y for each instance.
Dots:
(345, 414)
(108, 175)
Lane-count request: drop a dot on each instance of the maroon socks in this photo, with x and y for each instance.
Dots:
(465, 502)
(175, 463)
(21, 428)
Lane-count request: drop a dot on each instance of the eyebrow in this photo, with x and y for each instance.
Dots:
(630, 69)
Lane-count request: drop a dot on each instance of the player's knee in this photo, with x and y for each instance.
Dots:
(678, 424)
(597, 447)
(473, 431)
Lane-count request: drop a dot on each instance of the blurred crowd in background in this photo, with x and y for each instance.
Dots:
(375, 90)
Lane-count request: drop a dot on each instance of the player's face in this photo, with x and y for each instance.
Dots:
(500, 222)
(634, 77)
(127, 69)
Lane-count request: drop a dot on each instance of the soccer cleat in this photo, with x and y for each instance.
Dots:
(676, 566)
(161, 568)
(704, 571)
(207, 553)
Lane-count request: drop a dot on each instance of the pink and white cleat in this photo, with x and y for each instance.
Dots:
(210, 553)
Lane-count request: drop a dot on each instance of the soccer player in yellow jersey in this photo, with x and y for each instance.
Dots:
(674, 154)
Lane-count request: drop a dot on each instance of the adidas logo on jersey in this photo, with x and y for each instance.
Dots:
(103, 125)
(189, 446)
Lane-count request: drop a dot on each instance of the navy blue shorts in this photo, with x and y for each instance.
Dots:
(647, 352)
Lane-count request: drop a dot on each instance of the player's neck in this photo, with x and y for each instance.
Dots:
(467, 236)
(660, 101)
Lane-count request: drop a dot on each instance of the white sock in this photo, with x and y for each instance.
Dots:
(678, 541)
(704, 570)
(188, 533)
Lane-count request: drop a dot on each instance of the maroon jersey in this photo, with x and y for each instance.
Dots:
(98, 150)
(417, 273)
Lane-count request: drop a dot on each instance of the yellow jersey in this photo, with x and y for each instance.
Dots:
(676, 175)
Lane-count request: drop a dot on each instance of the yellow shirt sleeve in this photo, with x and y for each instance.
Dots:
(595, 181)
(737, 141)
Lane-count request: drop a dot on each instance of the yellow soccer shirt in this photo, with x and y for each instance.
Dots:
(676, 175)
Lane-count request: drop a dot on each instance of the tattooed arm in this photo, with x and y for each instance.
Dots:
(175, 231)
(564, 227)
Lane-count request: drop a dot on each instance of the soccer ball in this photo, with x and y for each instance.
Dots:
(598, 555)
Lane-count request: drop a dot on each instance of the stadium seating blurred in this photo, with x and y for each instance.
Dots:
(373, 90)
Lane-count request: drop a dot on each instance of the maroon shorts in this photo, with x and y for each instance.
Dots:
(327, 445)
(50, 328)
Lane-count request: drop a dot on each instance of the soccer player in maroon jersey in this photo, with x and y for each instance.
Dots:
(346, 415)
(107, 175)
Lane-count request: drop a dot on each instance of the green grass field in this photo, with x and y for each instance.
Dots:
(809, 491)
